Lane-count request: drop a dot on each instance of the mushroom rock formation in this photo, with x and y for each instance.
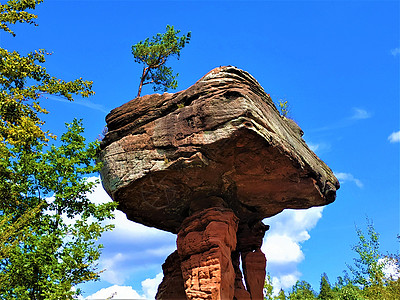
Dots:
(209, 163)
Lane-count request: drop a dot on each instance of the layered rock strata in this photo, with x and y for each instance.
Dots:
(209, 163)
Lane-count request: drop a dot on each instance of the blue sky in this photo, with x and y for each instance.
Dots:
(335, 62)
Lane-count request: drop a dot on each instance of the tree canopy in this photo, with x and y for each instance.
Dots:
(153, 54)
(366, 281)
(48, 226)
(14, 12)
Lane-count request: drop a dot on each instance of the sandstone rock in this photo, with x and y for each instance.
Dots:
(221, 137)
(172, 286)
(205, 244)
(250, 236)
(209, 163)
(254, 264)
(248, 248)
(240, 292)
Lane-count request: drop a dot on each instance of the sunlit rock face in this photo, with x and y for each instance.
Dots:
(220, 145)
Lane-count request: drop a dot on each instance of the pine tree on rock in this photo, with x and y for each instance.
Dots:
(154, 53)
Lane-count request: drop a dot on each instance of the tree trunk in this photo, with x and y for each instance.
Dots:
(144, 74)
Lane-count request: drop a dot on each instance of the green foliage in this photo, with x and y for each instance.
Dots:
(12, 231)
(268, 288)
(367, 270)
(346, 290)
(281, 295)
(367, 280)
(283, 108)
(62, 250)
(325, 292)
(301, 291)
(153, 54)
(14, 12)
(48, 227)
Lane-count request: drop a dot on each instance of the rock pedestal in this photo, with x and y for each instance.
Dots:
(205, 244)
(254, 264)
(206, 264)
(208, 164)
(172, 286)
(250, 238)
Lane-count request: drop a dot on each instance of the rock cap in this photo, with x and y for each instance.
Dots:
(221, 142)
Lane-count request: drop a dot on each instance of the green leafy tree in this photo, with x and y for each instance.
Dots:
(48, 226)
(325, 292)
(367, 279)
(12, 233)
(393, 282)
(346, 290)
(62, 251)
(301, 291)
(268, 288)
(367, 269)
(281, 295)
(153, 54)
(14, 12)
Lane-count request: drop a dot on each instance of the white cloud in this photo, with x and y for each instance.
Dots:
(357, 115)
(395, 51)
(116, 292)
(282, 249)
(123, 227)
(163, 251)
(132, 247)
(150, 286)
(394, 137)
(391, 268)
(344, 177)
(282, 244)
(111, 272)
(285, 281)
(313, 147)
(318, 147)
(360, 114)
(132, 252)
(85, 103)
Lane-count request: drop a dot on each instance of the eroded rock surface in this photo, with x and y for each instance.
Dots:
(205, 244)
(173, 161)
(172, 286)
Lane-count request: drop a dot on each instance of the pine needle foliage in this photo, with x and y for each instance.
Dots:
(153, 54)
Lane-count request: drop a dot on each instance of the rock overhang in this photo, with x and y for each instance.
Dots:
(222, 138)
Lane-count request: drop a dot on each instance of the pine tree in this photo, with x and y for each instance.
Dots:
(301, 291)
(325, 292)
(281, 295)
(154, 53)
